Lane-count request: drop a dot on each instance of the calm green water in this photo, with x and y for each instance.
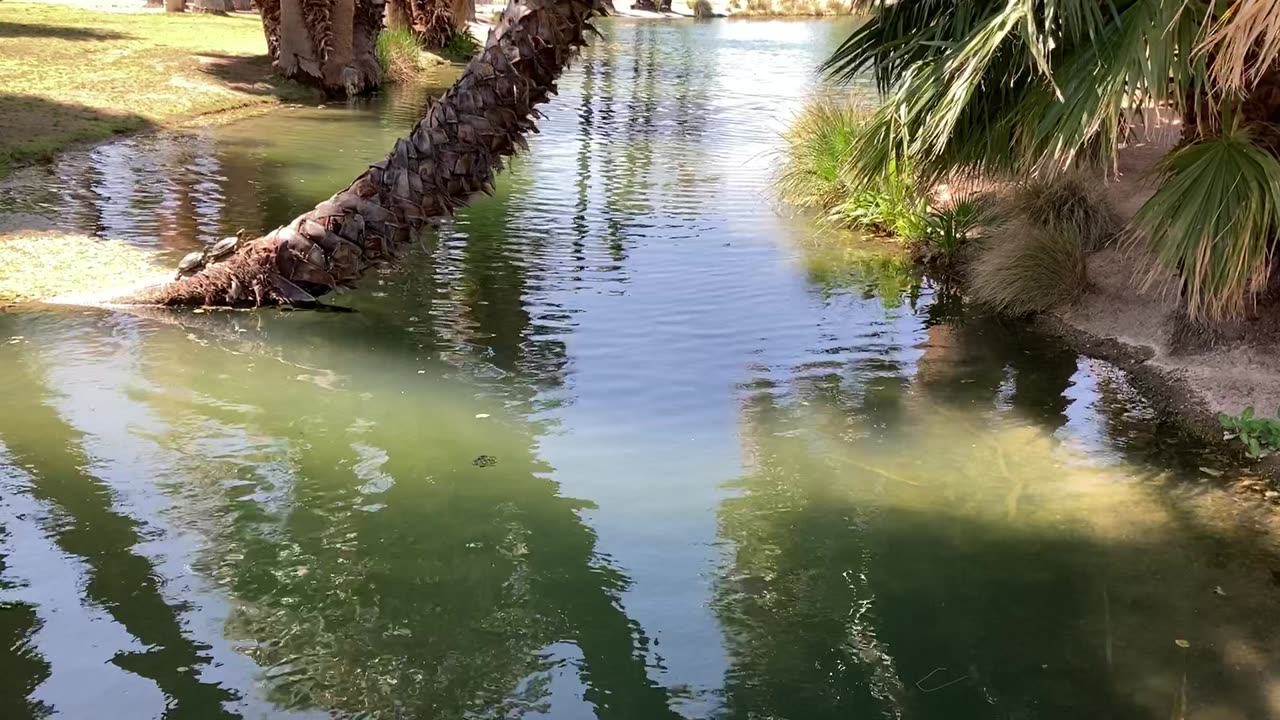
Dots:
(623, 443)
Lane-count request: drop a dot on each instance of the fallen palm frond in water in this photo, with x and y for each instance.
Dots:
(53, 267)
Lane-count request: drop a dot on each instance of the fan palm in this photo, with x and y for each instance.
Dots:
(1018, 87)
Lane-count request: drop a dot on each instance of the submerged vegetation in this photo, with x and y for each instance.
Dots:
(836, 265)
(40, 266)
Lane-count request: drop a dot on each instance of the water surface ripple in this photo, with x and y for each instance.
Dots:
(627, 440)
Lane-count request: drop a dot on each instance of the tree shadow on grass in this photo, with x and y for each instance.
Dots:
(253, 74)
(34, 129)
(60, 32)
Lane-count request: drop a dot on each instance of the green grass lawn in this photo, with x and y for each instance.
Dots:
(69, 75)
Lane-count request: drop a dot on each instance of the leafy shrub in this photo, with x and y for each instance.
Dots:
(462, 46)
(1260, 436)
(894, 208)
(398, 54)
(1023, 267)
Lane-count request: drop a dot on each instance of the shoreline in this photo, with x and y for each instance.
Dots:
(1233, 366)
(1113, 321)
(156, 71)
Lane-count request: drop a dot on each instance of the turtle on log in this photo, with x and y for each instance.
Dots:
(221, 249)
(190, 264)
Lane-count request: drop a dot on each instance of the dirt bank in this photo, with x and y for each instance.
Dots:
(1196, 377)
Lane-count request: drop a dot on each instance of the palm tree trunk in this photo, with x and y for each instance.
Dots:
(212, 7)
(398, 14)
(326, 43)
(270, 11)
(451, 155)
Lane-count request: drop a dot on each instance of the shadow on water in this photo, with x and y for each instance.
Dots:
(984, 574)
(36, 439)
(376, 574)
(617, 443)
(23, 667)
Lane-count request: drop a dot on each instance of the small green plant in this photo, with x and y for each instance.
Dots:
(1260, 436)
(894, 207)
(947, 232)
(398, 53)
(462, 46)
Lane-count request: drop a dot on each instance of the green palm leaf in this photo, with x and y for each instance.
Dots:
(1213, 219)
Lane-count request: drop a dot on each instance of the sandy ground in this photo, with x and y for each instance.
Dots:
(1237, 368)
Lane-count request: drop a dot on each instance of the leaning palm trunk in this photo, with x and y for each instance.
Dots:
(450, 156)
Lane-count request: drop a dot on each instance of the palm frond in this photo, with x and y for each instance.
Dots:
(996, 87)
(1244, 42)
(1143, 58)
(1213, 220)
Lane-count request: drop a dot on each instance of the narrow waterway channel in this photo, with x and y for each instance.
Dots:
(627, 441)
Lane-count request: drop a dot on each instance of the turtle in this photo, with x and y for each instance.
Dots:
(222, 249)
(485, 461)
(190, 264)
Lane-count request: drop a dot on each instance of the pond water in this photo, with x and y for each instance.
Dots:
(626, 441)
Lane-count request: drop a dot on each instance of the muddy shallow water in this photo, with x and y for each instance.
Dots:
(626, 441)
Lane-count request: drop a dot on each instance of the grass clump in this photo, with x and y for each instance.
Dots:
(398, 54)
(817, 146)
(1039, 235)
(1023, 267)
(1075, 202)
